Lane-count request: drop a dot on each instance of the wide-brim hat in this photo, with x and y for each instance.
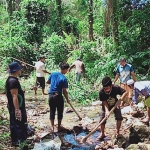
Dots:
(14, 66)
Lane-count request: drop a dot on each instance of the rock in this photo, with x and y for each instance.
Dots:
(120, 141)
(133, 147)
(68, 110)
(138, 132)
(137, 114)
(138, 146)
(126, 110)
(97, 103)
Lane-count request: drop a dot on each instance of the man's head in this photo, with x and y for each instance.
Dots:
(15, 68)
(130, 83)
(64, 67)
(79, 58)
(42, 58)
(107, 84)
(122, 62)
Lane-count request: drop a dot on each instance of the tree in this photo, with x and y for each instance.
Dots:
(59, 16)
(111, 19)
(91, 20)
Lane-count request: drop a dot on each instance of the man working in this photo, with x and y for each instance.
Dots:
(140, 88)
(16, 107)
(108, 96)
(80, 69)
(125, 71)
(58, 87)
(40, 79)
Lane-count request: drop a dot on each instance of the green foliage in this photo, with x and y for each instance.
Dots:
(55, 48)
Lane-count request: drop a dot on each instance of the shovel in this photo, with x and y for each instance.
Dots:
(83, 140)
(75, 111)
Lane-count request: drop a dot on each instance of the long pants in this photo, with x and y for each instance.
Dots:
(18, 129)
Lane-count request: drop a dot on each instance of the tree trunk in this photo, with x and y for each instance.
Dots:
(107, 18)
(10, 7)
(115, 21)
(91, 20)
(59, 14)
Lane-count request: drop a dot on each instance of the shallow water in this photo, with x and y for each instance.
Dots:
(77, 146)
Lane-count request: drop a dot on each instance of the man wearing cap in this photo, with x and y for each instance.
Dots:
(58, 86)
(108, 96)
(80, 69)
(40, 79)
(140, 88)
(16, 106)
(125, 71)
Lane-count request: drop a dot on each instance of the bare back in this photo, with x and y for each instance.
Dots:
(79, 66)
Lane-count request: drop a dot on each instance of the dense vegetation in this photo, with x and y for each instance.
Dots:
(100, 32)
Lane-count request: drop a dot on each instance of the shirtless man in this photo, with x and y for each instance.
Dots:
(80, 69)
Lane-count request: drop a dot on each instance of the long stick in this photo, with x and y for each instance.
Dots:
(75, 111)
(86, 137)
(22, 62)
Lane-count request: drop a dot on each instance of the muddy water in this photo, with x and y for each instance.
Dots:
(70, 138)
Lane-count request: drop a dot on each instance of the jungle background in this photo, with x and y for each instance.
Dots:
(97, 31)
(100, 32)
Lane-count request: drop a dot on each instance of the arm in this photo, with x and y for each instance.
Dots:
(14, 94)
(83, 68)
(135, 96)
(104, 103)
(123, 96)
(49, 79)
(65, 93)
(133, 76)
(46, 71)
(73, 65)
(116, 78)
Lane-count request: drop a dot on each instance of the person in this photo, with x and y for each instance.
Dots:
(40, 79)
(16, 106)
(140, 88)
(58, 86)
(108, 96)
(80, 69)
(125, 71)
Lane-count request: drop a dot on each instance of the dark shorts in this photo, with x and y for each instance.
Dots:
(56, 102)
(117, 114)
(40, 82)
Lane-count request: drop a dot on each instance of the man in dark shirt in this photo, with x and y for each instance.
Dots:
(58, 87)
(16, 106)
(108, 96)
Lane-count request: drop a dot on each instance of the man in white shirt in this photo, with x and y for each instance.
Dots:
(80, 69)
(40, 79)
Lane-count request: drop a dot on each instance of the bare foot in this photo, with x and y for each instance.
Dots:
(101, 137)
(45, 94)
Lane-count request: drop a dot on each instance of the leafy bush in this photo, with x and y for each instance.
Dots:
(55, 48)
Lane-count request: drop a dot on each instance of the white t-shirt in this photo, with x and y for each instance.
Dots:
(40, 66)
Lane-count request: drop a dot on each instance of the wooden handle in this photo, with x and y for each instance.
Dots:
(100, 123)
(75, 111)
